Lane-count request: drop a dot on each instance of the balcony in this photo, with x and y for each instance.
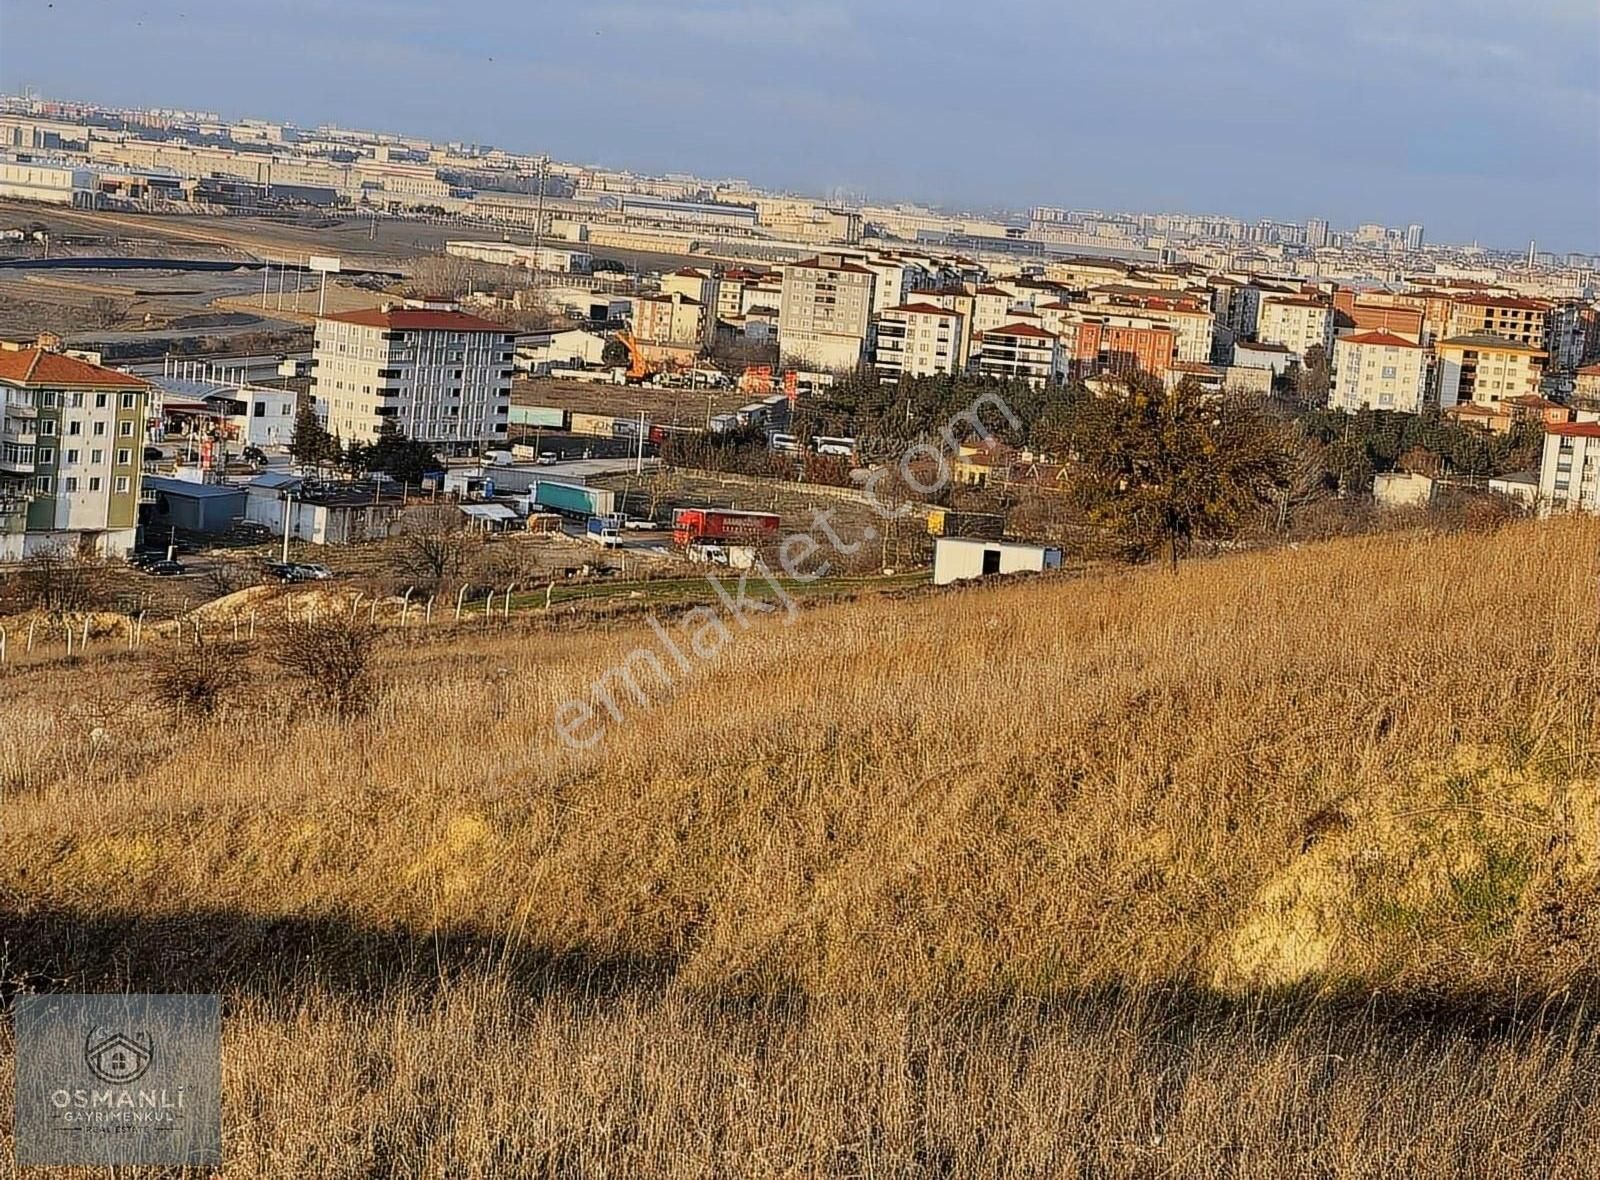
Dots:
(15, 465)
(23, 432)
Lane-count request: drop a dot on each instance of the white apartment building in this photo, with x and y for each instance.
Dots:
(826, 312)
(1378, 371)
(1021, 352)
(441, 376)
(1487, 370)
(1295, 323)
(1569, 476)
(916, 340)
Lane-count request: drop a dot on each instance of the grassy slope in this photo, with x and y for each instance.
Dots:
(1366, 768)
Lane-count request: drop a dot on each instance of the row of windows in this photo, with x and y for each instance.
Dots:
(44, 484)
(75, 399)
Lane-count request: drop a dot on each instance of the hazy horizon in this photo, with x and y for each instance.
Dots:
(1408, 111)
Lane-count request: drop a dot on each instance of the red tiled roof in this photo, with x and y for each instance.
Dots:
(1575, 429)
(1385, 339)
(845, 266)
(1021, 330)
(926, 309)
(1589, 371)
(1509, 302)
(39, 366)
(417, 319)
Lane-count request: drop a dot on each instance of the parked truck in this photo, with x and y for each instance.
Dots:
(573, 499)
(605, 531)
(693, 525)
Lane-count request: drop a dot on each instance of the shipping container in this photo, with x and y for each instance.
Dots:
(574, 499)
(722, 524)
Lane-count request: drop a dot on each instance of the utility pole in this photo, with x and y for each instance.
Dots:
(538, 217)
(288, 510)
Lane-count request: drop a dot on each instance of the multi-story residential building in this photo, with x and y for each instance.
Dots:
(71, 453)
(1296, 323)
(1569, 475)
(1021, 352)
(1093, 345)
(699, 285)
(1378, 371)
(672, 328)
(1522, 320)
(1487, 370)
(827, 308)
(1572, 335)
(1586, 386)
(916, 340)
(1376, 311)
(438, 374)
(1192, 322)
(1316, 233)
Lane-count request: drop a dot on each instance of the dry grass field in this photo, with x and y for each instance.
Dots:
(1285, 866)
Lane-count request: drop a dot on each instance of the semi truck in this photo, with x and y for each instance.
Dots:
(693, 525)
(573, 499)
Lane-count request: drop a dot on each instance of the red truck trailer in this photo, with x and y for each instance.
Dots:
(723, 524)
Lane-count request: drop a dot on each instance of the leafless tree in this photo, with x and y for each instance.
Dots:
(434, 545)
(332, 657)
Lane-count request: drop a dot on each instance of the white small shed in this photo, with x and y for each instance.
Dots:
(955, 558)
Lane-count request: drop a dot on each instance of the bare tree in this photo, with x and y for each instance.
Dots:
(198, 677)
(105, 311)
(332, 657)
(61, 579)
(434, 545)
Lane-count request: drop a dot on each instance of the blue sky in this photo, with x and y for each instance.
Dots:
(1480, 119)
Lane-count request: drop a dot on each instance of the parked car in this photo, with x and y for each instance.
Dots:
(253, 455)
(153, 455)
(163, 568)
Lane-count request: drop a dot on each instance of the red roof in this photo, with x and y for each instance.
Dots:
(1385, 339)
(1575, 429)
(1021, 330)
(39, 366)
(845, 266)
(1589, 371)
(417, 319)
(926, 309)
(1509, 302)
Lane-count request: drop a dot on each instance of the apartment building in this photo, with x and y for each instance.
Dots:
(1094, 345)
(1521, 320)
(699, 285)
(71, 454)
(1487, 370)
(672, 328)
(827, 311)
(1192, 321)
(916, 340)
(1569, 474)
(1378, 371)
(1295, 323)
(438, 374)
(1021, 352)
(1376, 311)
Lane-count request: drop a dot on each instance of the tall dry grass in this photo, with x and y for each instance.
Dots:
(1284, 866)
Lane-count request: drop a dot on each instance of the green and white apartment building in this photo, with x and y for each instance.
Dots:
(71, 453)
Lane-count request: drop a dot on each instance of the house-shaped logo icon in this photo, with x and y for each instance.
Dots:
(116, 1057)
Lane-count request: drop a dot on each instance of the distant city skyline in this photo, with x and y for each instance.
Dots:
(1438, 112)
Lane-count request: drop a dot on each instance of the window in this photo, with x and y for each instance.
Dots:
(122, 484)
(46, 456)
(99, 429)
(69, 484)
(100, 401)
(71, 456)
(94, 483)
(125, 429)
(41, 484)
(124, 457)
(97, 456)
(74, 427)
(47, 426)
(128, 400)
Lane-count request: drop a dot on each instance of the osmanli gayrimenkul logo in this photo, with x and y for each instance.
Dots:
(117, 1057)
(118, 1079)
